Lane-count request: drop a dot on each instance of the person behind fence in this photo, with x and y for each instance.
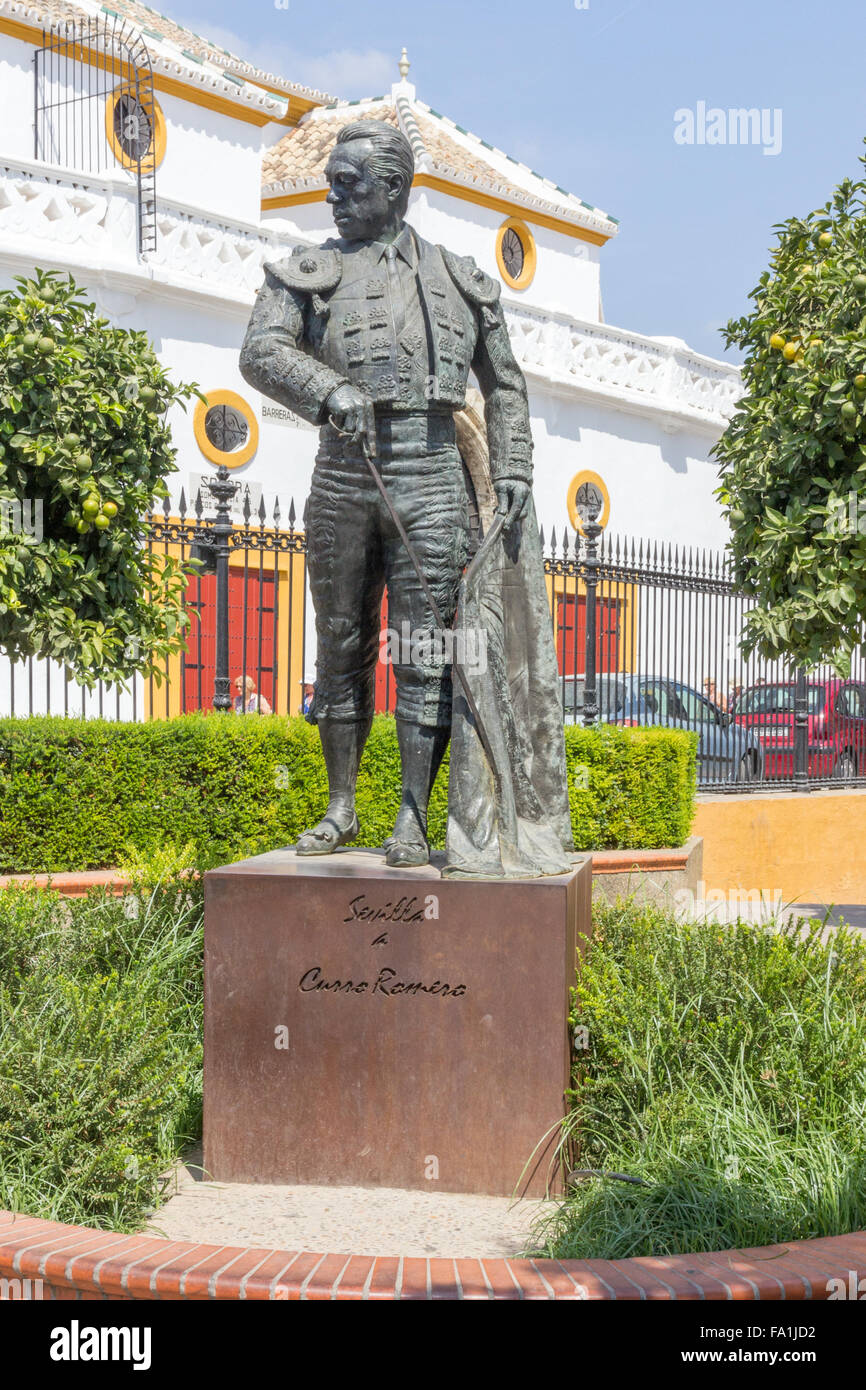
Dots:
(246, 700)
(712, 693)
(309, 690)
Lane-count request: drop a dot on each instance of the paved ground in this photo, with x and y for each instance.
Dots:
(853, 914)
(350, 1220)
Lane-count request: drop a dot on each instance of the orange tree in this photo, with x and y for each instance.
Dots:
(84, 453)
(793, 459)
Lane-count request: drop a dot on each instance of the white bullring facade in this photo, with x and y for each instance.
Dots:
(239, 181)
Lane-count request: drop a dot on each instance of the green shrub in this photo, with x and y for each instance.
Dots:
(85, 449)
(84, 794)
(630, 788)
(100, 1049)
(724, 1066)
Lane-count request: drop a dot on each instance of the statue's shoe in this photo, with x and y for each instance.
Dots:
(325, 837)
(406, 854)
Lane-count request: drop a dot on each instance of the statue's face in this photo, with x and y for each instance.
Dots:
(362, 201)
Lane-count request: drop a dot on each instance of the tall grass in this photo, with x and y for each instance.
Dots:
(100, 1048)
(726, 1068)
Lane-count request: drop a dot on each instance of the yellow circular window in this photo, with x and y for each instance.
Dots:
(226, 428)
(515, 253)
(588, 499)
(135, 127)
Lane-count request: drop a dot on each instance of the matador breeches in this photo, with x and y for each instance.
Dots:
(354, 551)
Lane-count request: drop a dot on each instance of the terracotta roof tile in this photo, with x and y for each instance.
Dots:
(446, 153)
(154, 25)
(303, 151)
(194, 45)
(440, 147)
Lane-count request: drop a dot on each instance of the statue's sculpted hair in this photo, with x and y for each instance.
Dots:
(393, 153)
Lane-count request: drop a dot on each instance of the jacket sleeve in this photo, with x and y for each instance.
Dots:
(274, 358)
(506, 404)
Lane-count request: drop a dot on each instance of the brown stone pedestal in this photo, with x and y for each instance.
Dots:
(384, 1027)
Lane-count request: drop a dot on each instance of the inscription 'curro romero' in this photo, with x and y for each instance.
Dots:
(386, 982)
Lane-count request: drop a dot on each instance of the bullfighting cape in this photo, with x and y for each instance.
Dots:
(511, 821)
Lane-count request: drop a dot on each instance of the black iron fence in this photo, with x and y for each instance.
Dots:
(646, 634)
(649, 634)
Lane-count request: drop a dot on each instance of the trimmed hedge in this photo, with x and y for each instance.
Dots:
(78, 794)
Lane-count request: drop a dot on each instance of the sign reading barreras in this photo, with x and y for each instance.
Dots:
(372, 337)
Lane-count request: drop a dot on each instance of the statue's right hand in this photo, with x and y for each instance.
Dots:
(352, 412)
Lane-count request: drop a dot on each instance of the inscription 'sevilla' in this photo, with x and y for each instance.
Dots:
(386, 982)
(403, 910)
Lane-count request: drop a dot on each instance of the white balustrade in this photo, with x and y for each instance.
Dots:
(91, 220)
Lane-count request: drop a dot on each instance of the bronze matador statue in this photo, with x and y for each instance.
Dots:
(372, 336)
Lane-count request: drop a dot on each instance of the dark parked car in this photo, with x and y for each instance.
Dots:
(836, 731)
(726, 751)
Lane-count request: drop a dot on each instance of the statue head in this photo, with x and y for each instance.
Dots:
(370, 170)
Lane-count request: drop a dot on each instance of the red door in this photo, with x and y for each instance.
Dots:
(386, 686)
(252, 637)
(571, 634)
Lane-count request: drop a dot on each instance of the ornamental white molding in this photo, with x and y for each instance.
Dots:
(213, 252)
(524, 199)
(313, 183)
(410, 128)
(87, 223)
(38, 205)
(637, 373)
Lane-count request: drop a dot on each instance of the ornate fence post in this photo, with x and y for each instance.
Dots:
(589, 505)
(223, 490)
(801, 732)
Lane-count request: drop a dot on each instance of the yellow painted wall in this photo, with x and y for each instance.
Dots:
(810, 847)
(163, 701)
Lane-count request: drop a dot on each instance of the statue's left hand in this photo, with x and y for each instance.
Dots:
(512, 497)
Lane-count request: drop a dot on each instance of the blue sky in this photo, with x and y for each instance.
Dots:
(588, 96)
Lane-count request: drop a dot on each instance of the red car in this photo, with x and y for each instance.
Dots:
(836, 733)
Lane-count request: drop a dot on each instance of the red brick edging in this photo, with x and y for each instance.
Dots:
(605, 861)
(71, 885)
(76, 1263)
(644, 861)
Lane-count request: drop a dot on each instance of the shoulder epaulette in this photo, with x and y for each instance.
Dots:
(472, 282)
(310, 269)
